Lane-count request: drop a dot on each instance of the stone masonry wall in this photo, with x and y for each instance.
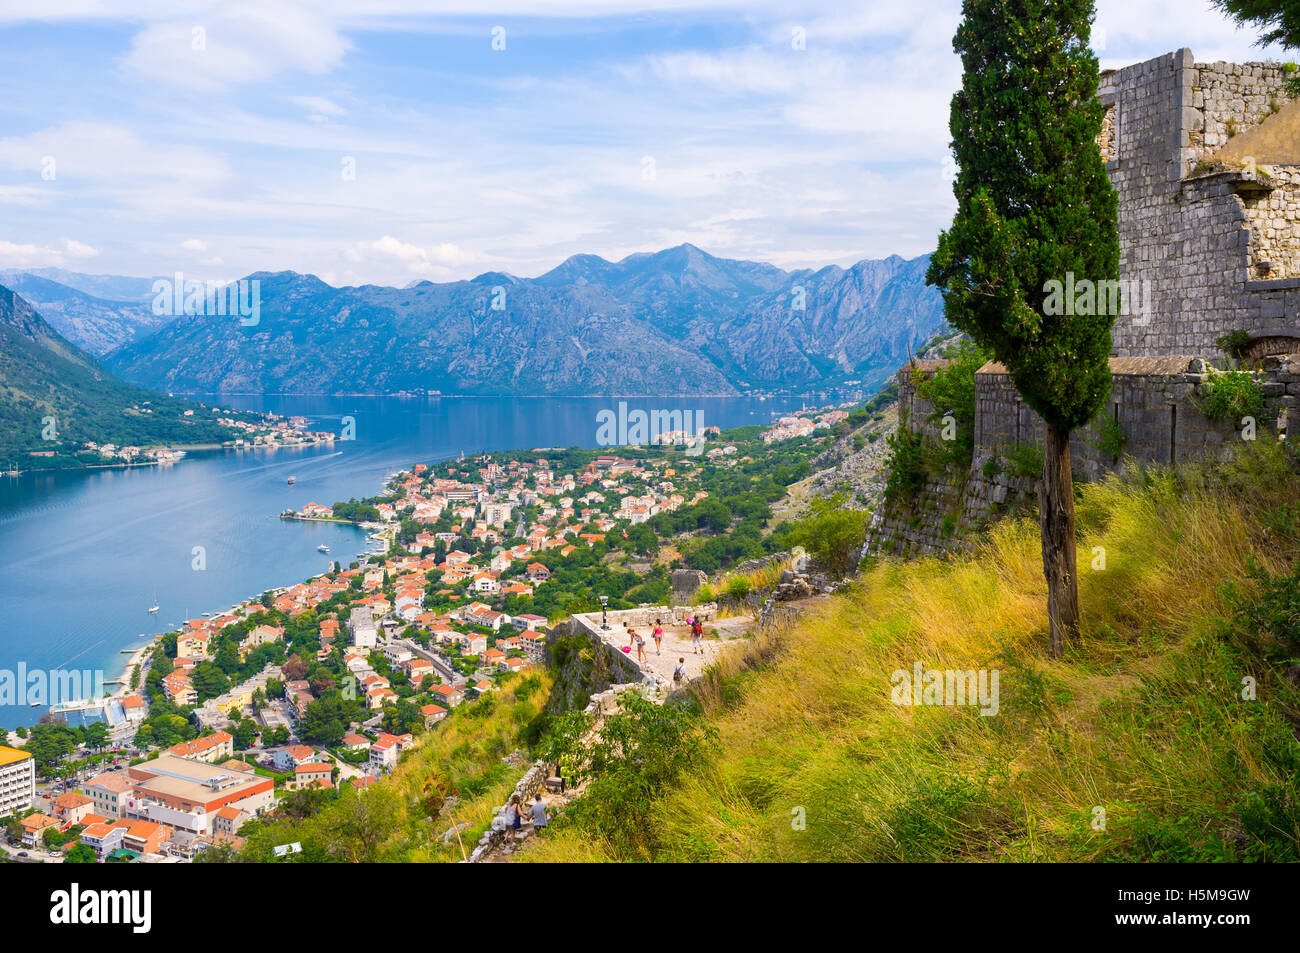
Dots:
(911, 405)
(1154, 401)
(1192, 235)
(1273, 218)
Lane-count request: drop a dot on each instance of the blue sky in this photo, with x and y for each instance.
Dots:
(215, 138)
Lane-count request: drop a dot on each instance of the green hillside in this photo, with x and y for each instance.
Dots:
(1169, 734)
(42, 375)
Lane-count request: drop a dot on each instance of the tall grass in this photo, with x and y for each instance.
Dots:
(731, 588)
(1138, 744)
(456, 776)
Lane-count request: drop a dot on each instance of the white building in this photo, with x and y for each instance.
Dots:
(17, 781)
(365, 632)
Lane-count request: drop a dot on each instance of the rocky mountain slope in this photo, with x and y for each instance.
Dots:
(95, 324)
(678, 322)
(54, 396)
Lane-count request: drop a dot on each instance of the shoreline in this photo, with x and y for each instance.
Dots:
(183, 448)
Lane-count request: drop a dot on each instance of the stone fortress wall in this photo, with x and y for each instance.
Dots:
(1210, 230)
(1205, 159)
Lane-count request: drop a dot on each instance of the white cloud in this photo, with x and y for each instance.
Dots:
(108, 153)
(75, 249)
(319, 109)
(15, 255)
(439, 259)
(799, 157)
(229, 45)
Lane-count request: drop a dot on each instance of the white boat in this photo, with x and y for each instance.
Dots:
(322, 548)
(154, 607)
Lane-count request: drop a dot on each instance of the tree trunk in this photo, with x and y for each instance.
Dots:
(1056, 519)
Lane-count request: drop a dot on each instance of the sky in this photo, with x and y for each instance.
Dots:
(389, 141)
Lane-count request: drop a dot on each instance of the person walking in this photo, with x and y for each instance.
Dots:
(514, 819)
(538, 812)
(679, 673)
(697, 636)
(640, 647)
(658, 636)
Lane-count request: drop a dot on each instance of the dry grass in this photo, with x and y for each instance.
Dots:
(1142, 719)
(390, 821)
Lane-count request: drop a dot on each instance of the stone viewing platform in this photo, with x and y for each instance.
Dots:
(677, 637)
(656, 682)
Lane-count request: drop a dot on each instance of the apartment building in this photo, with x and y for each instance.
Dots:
(109, 792)
(17, 781)
(211, 748)
(188, 794)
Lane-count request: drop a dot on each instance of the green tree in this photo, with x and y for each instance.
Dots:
(228, 657)
(831, 533)
(325, 720)
(81, 854)
(279, 735)
(208, 680)
(49, 743)
(244, 734)
(639, 753)
(403, 718)
(97, 735)
(1034, 208)
(364, 824)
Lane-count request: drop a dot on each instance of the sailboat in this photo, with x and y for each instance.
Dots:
(154, 608)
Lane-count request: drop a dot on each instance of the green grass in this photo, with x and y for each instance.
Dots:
(456, 776)
(1144, 720)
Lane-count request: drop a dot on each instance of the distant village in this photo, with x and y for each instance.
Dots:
(803, 424)
(269, 431)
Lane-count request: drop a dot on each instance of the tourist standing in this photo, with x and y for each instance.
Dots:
(697, 636)
(640, 647)
(538, 812)
(658, 636)
(679, 673)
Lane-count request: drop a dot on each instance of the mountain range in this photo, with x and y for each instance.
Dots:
(98, 313)
(54, 397)
(678, 321)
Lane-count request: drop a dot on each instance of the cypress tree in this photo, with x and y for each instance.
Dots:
(1034, 209)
